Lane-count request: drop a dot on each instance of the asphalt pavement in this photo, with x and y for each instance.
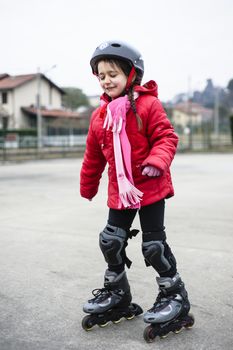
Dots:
(50, 260)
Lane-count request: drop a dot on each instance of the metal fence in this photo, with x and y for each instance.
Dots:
(26, 147)
(205, 142)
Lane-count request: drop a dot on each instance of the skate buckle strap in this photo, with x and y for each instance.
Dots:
(130, 234)
(100, 292)
(96, 292)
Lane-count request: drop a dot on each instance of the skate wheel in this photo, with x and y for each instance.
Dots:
(163, 336)
(102, 325)
(191, 322)
(136, 309)
(149, 335)
(178, 330)
(117, 321)
(87, 325)
(188, 327)
(130, 317)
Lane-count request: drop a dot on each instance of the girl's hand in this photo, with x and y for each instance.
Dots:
(150, 170)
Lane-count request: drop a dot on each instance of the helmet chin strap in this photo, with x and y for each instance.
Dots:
(130, 78)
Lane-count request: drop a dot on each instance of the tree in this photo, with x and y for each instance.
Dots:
(230, 86)
(74, 98)
(229, 95)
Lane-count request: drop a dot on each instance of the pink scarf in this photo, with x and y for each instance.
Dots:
(129, 195)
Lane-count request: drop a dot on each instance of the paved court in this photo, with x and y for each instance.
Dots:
(50, 260)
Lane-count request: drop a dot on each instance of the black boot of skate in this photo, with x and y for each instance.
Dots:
(170, 311)
(116, 291)
(111, 303)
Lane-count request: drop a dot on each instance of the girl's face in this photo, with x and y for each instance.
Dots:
(112, 79)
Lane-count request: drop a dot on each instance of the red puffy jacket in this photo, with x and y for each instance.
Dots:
(155, 144)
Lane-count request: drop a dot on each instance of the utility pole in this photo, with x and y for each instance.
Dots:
(216, 113)
(189, 110)
(38, 106)
(38, 111)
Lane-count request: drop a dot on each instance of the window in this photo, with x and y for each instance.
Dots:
(4, 97)
(4, 123)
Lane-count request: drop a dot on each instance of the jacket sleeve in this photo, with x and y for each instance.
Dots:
(162, 138)
(92, 167)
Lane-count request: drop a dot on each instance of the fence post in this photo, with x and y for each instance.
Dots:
(231, 126)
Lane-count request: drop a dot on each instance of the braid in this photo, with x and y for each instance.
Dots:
(133, 106)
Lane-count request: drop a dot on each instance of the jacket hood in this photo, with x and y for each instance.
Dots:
(150, 88)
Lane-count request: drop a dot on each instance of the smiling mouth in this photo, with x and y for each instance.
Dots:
(110, 88)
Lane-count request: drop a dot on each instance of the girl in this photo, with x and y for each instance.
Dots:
(131, 132)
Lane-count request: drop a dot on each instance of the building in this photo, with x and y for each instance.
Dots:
(189, 114)
(94, 100)
(23, 97)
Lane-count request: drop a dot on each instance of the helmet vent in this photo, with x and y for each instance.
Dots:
(116, 45)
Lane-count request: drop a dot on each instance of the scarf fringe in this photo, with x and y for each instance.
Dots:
(115, 123)
(129, 195)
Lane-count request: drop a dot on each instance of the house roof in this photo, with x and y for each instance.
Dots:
(8, 82)
(53, 113)
(190, 107)
(3, 75)
(11, 82)
(194, 109)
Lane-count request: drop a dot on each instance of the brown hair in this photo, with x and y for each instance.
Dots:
(133, 103)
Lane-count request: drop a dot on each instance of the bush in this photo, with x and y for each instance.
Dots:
(231, 125)
(19, 132)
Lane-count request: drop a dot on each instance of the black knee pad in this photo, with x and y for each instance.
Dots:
(158, 254)
(112, 241)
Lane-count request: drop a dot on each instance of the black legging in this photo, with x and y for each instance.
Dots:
(151, 217)
(151, 221)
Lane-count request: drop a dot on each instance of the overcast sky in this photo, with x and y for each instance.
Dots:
(181, 41)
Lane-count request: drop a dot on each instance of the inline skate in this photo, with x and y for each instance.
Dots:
(111, 303)
(170, 312)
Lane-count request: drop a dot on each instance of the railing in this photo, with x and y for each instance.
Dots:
(205, 142)
(25, 147)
